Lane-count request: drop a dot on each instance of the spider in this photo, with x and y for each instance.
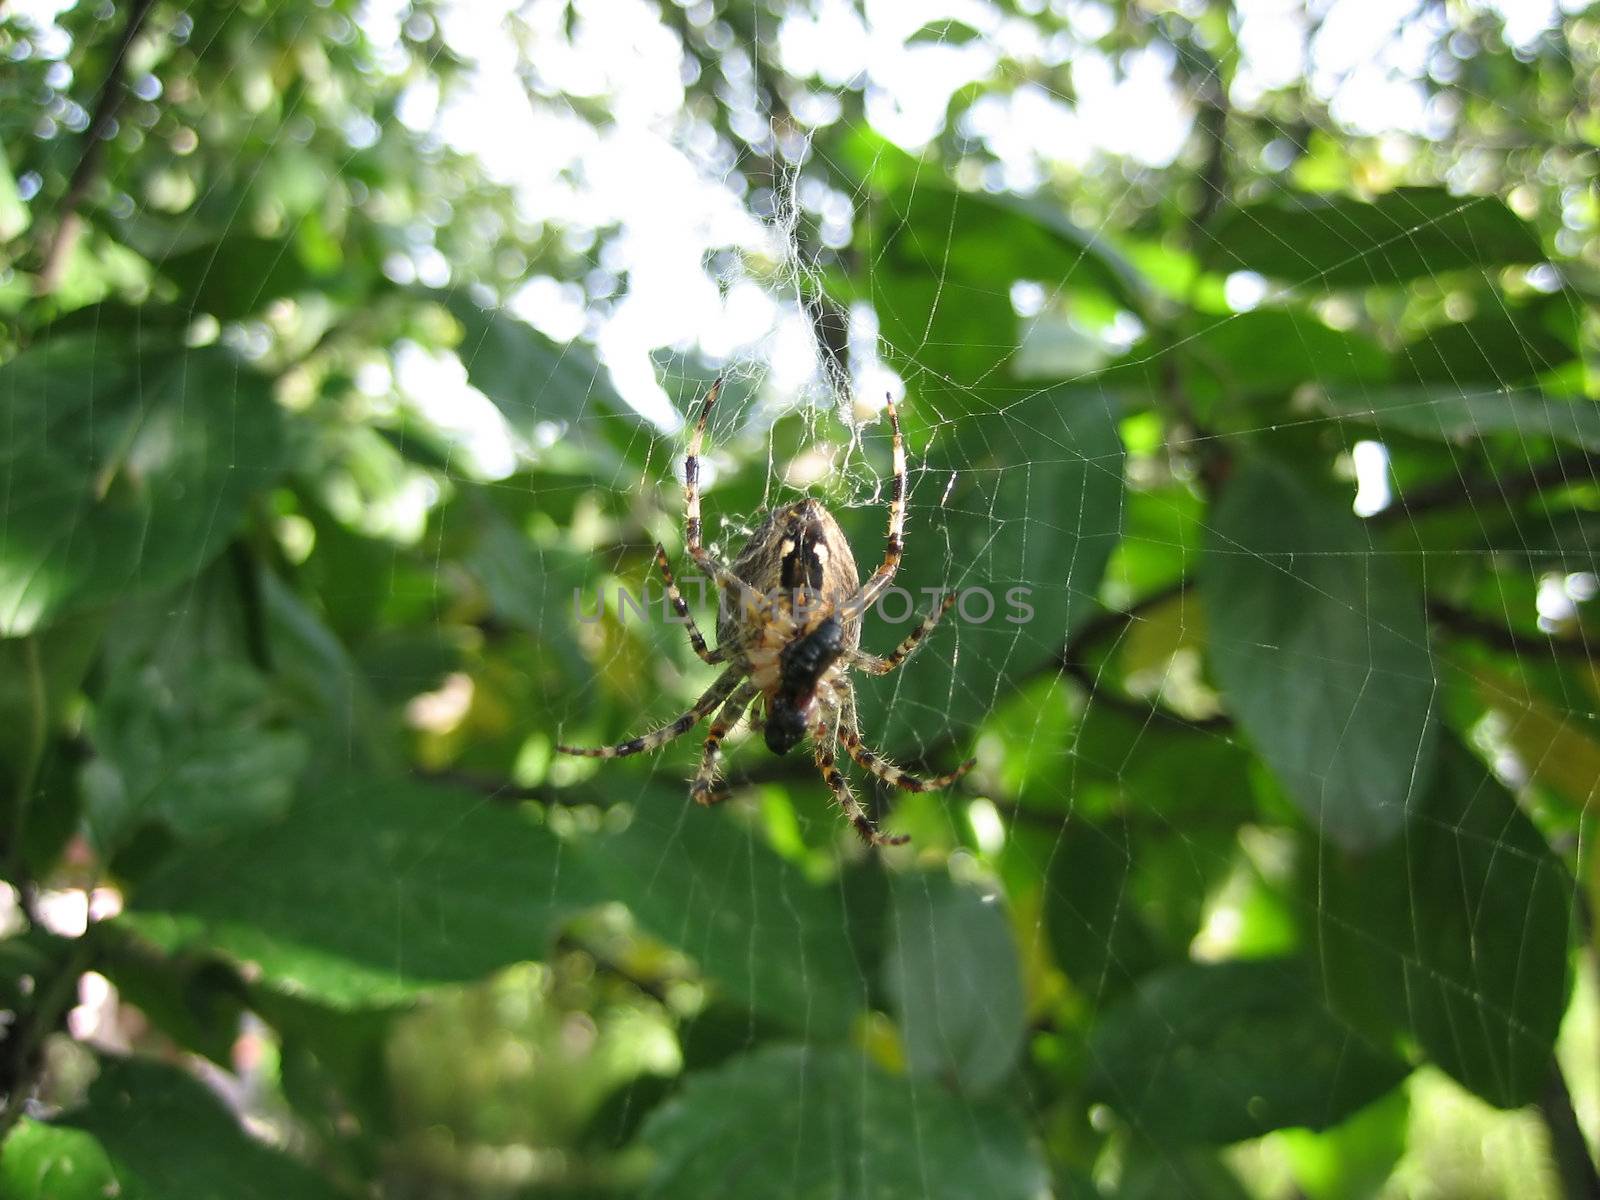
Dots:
(790, 639)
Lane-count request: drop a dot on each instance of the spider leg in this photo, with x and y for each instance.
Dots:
(713, 696)
(873, 665)
(822, 749)
(875, 764)
(720, 654)
(724, 578)
(704, 790)
(881, 578)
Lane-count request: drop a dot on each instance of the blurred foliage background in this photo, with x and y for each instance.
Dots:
(1274, 878)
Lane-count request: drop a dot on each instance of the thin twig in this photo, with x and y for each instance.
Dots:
(1567, 1145)
(1464, 623)
(113, 94)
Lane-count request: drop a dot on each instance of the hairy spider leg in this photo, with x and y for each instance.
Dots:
(724, 578)
(720, 654)
(873, 665)
(713, 696)
(823, 752)
(704, 790)
(881, 578)
(875, 764)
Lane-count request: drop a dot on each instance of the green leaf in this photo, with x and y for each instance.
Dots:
(195, 750)
(123, 474)
(944, 262)
(1096, 930)
(53, 1162)
(1268, 353)
(1456, 934)
(238, 276)
(955, 980)
(793, 1122)
(1447, 413)
(947, 33)
(1504, 346)
(1321, 646)
(529, 377)
(1340, 241)
(1026, 498)
(54, 662)
(168, 1138)
(765, 935)
(368, 891)
(1224, 1051)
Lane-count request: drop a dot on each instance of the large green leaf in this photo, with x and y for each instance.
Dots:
(1449, 414)
(1499, 347)
(955, 981)
(122, 473)
(1340, 241)
(944, 263)
(368, 891)
(1096, 929)
(1225, 1051)
(168, 1138)
(765, 935)
(196, 750)
(237, 276)
(1457, 934)
(530, 377)
(806, 1124)
(1321, 646)
(1026, 502)
(54, 1162)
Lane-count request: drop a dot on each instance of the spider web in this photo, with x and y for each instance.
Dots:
(1003, 488)
(1028, 467)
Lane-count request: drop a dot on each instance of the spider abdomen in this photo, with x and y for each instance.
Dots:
(800, 552)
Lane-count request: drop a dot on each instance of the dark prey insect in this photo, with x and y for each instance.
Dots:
(789, 628)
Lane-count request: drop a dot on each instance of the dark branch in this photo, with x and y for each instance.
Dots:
(113, 94)
(1468, 624)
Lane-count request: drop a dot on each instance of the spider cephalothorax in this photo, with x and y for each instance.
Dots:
(789, 625)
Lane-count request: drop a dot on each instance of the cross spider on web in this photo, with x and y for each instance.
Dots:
(790, 638)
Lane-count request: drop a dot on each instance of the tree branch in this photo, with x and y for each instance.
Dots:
(113, 94)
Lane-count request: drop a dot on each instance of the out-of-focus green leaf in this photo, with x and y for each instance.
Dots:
(1355, 1157)
(1339, 241)
(14, 216)
(765, 936)
(1096, 930)
(1271, 351)
(953, 975)
(38, 679)
(945, 261)
(168, 1138)
(1497, 348)
(196, 1001)
(196, 751)
(54, 1162)
(122, 474)
(1225, 1051)
(1022, 509)
(789, 1121)
(236, 277)
(331, 698)
(1161, 1171)
(946, 33)
(1449, 414)
(1456, 934)
(529, 377)
(1320, 643)
(369, 891)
